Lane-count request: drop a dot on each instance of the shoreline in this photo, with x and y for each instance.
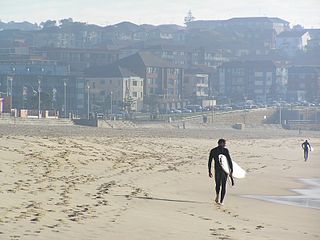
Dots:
(294, 195)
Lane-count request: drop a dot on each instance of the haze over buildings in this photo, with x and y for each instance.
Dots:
(101, 12)
(159, 67)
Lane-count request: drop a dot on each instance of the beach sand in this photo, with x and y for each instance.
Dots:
(78, 183)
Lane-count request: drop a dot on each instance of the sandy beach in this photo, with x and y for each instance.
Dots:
(82, 183)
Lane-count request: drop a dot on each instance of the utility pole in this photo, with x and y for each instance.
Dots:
(10, 79)
(111, 102)
(39, 100)
(65, 98)
(88, 87)
(212, 111)
(280, 114)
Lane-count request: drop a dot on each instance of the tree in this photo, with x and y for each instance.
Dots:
(66, 22)
(298, 27)
(48, 24)
(189, 18)
(128, 103)
(46, 100)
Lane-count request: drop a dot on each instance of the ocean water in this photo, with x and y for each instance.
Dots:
(308, 197)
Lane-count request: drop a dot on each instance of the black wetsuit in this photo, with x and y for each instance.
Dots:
(306, 146)
(220, 175)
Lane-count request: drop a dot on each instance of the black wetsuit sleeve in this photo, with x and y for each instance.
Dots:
(229, 160)
(210, 161)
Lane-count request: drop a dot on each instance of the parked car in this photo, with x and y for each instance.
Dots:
(175, 111)
(226, 108)
(208, 109)
(194, 108)
(237, 107)
(186, 110)
(217, 107)
(261, 105)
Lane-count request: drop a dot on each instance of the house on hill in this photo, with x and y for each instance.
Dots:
(292, 42)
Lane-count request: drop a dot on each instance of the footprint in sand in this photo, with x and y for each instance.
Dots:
(259, 227)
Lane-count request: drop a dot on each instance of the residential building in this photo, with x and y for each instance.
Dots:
(20, 81)
(304, 83)
(115, 84)
(78, 59)
(206, 57)
(196, 86)
(281, 82)
(276, 24)
(162, 80)
(243, 80)
(291, 42)
(120, 31)
(314, 42)
(71, 35)
(173, 54)
(168, 32)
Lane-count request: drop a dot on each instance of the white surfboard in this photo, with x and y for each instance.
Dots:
(310, 148)
(238, 172)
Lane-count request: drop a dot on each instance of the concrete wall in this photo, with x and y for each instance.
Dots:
(252, 117)
(86, 122)
(311, 115)
(301, 126)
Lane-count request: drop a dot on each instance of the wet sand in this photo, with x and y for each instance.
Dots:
(86, 183)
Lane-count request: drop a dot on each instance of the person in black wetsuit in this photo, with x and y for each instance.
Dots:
(306, 146)
(220, 175)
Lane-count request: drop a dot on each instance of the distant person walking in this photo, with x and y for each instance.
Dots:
(220, 175)
(306, 147)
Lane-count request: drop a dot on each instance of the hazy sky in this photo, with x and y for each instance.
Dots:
(103, 12)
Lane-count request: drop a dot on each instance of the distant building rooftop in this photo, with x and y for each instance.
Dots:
(292, 34)
(305, 69)
(251, 63)
(109, 71)
(146, 58)
(241, 20)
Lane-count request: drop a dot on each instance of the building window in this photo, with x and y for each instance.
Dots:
(94, 85)
(135, 94)
(258, 74)
(102, 81)
(135, 83)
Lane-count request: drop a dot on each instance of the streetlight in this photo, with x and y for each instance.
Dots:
(65, 98)
(88, 86)
(280, 114)
(39, 100)
(9, 79)
(111, 102)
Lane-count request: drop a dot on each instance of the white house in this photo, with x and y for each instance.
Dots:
(115, 81)
(292, 41)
